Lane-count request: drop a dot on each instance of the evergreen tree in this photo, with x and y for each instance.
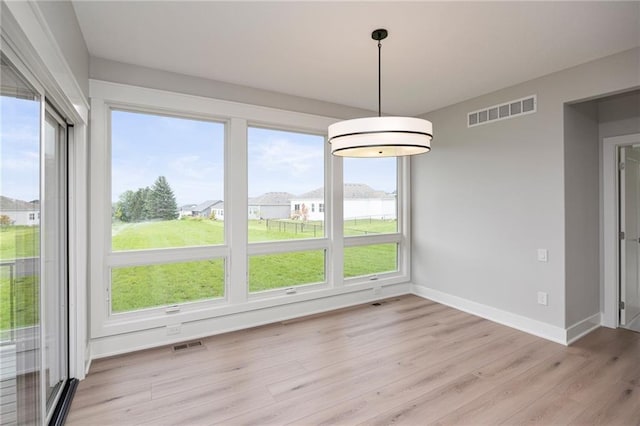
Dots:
(162, 202)
(123, 207)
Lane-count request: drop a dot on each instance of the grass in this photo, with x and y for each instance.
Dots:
(140, 287)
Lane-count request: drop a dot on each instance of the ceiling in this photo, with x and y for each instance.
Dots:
(437, 53)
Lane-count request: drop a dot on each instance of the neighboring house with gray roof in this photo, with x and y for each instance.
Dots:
(360, 200)
(20, 213)
(198, 210)
(272, 205)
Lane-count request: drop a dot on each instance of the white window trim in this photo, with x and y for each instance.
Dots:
(236, 250)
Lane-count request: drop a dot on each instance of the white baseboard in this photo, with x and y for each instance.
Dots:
(519, 322)
(584, 327)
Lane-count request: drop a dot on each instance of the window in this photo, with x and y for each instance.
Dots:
(286, 175)
(140, 287)
(358, 260)
(371, 216)
(167, 177)
(285, 169)
(32, 216)
(160, 166)
(370, 196)
(273, 271)
(254, 195)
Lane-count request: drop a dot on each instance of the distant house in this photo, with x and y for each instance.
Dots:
(218, 210)
(20, 213)
(360, 200)
(199, 210)
(272, 205)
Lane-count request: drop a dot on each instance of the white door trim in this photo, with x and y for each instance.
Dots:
(609, 234)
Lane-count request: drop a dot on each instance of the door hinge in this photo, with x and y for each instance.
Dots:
(621, 166)
(621, 305)
(621, 235)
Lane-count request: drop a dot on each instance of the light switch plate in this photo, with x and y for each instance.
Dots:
(543, 255)
(543, 298)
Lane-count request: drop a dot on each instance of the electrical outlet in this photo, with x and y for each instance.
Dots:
(543, 298)
(174, 329)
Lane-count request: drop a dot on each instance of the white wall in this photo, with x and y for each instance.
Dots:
(486, 198)
(63, 23)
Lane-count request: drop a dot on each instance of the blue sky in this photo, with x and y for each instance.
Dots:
(19, 148)
(189, 153)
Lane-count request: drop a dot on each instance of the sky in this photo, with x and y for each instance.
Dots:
(189, 153)
(19, 148)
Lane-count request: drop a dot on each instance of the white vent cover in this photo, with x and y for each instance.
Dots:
(515, 108)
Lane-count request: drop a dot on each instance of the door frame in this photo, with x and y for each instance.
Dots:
(610, 224)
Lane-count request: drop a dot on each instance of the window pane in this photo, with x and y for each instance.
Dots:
(167, 184)
(369, 260)
(370, 196)
(286, 185)
(20, 350)
(272, 271)
(139, 287)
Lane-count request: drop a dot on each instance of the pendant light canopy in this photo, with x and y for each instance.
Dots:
(380, 136)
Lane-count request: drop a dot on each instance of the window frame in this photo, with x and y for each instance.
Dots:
(296, 245)
(150, 323)
(401, 237)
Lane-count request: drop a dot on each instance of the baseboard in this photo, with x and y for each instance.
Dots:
(584, 327)
(519, 322)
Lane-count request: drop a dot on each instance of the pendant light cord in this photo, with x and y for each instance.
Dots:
(379, 79)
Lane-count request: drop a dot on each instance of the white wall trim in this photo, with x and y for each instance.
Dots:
(609, 244)
(519, 322)
(145, 339)
(582, 328)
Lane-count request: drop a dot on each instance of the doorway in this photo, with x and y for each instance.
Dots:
(618, 215)
(629, 236)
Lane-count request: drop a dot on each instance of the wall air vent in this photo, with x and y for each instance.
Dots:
(518, 107)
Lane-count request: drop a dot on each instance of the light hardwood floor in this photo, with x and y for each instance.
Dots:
(406, 361)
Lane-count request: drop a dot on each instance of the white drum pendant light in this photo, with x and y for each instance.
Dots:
(380, 136)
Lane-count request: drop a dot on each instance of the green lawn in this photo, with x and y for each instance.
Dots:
(148, 286)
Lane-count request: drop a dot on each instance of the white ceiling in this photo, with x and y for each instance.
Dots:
(437, 53)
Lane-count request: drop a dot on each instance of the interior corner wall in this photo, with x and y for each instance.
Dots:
(487, 197)
(118, 72)
(582, 211)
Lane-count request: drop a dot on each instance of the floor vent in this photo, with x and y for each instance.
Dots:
(515, 108)
(188, 345)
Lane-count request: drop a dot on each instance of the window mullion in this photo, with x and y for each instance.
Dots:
(236, 223)
(335, 257)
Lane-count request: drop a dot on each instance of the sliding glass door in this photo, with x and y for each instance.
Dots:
(54, 289)
(33, 252)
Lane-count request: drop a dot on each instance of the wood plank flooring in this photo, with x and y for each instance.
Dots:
(407, 361)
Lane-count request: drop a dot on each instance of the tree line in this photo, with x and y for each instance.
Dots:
(155, 202)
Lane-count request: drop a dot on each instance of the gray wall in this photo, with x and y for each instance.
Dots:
(487, 197)
(118, 72)
(582, 211)
(62, 21)
(618, 115)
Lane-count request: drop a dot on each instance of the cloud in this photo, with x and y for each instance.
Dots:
(280, 154)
